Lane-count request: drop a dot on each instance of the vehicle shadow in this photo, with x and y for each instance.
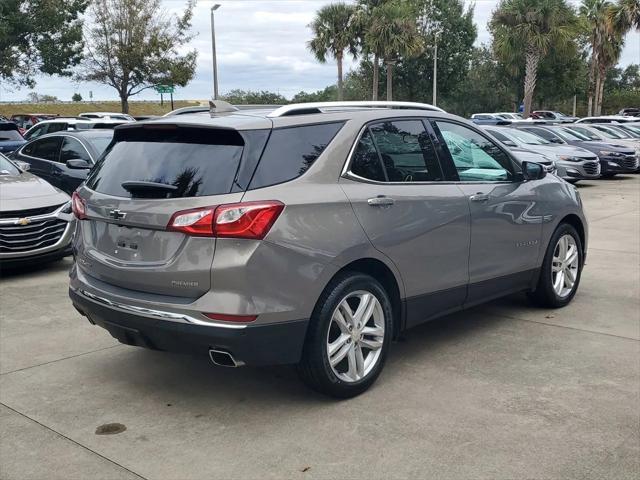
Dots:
(34, 269)
(179, 376)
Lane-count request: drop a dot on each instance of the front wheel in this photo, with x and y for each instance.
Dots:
(348, 336)
(561, 269)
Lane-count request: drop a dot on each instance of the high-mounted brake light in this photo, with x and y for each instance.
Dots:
(78, 206)
(250, 220)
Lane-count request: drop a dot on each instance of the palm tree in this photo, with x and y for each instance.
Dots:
(394, 34)
(608, 56)
(625, 15)
(333, 34)
(593, 14)
(366, 11)
(531, 28)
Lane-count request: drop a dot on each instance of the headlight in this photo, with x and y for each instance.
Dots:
(66, 208)
(569, 158)
(608, 153)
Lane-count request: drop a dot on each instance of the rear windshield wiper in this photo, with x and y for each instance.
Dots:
(148, 187)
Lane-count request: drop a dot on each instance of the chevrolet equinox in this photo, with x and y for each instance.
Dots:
(313, 234)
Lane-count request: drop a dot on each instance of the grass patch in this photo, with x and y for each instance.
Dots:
(73, 109)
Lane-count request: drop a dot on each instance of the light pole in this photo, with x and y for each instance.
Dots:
(435, 69)
(213, 49)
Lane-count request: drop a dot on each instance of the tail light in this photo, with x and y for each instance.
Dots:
(78, 206)
(250, 220)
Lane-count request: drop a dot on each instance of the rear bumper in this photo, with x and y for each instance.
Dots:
(253, 345)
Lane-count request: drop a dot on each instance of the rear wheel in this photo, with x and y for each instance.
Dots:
(348, 337)
(561, 269)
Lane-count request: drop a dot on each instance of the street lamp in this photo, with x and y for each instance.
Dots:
(213, 48)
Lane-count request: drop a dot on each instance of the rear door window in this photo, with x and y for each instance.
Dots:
(46, 148)
(406, 151)
(291, 151)
(197, 161)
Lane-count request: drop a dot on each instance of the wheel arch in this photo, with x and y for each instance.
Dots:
(383, 274)
(575, 221)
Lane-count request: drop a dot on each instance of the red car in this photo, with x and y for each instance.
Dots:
(27, 120)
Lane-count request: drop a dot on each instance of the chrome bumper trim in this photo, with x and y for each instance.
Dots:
(168, 316)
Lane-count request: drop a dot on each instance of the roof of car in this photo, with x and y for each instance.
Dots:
(263, 118)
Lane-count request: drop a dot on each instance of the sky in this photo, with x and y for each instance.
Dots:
(261, 45)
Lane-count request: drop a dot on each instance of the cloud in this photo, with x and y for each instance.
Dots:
(260, 46)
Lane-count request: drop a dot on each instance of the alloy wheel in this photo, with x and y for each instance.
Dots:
(564, 266)
(355, 336)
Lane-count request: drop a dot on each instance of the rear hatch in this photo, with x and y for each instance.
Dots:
(147, 175)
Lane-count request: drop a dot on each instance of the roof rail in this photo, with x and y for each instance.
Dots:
(315, 107)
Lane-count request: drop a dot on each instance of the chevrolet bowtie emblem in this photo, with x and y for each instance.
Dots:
(23, 221)
(117, 214)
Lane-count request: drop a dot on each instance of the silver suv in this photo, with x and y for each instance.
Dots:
(313, 234)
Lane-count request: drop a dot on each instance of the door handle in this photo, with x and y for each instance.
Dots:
(381, 201)
(479, 197)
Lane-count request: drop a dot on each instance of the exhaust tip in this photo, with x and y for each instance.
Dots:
(223, 359)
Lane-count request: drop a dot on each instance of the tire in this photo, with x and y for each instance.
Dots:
(545, 294)
(340, 380)
(607, 175)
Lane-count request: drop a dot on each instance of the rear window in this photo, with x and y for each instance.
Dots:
(9, 134)
(197, 161)
(291, 151)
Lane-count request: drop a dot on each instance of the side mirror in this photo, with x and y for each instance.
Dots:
(78, 164)
(533, 171)
(24, 166)
(556, 140)
(509, 143)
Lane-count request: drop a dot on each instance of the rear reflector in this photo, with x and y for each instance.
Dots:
(250, 220)
(78, 206)
(231, 318)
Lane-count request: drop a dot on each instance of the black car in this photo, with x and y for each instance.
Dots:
(65, 158)
(614, 158)
(10, 137)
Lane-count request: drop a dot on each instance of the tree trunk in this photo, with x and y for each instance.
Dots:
(532, 59)
(596, 93)
(603, 77)
(340, 85)
(124, 102)
(592, 78)
(390, 65)
(376, 76)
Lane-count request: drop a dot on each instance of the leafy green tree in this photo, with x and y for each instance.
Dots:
(249, 97)
(333, 34)
(76, 97)
(528, 29)
(453, 22)
(39, 37)
(134, 45)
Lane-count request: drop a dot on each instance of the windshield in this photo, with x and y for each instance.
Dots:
(568, 135)
(585, 132)
(10, 136)
(525, 137)
(6, 167)
(609, 133)
(620, 131)
(632, 128)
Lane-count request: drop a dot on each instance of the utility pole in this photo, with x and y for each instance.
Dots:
(213, 49)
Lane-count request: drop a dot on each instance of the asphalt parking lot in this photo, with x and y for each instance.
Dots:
(499, 391)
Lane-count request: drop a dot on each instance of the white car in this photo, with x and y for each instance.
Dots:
(72, 123)
(108, 116)
(607, 119)
(509, 115)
